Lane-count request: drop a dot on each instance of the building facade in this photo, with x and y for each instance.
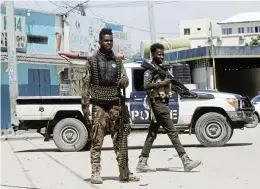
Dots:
(233, 58)
(237, 30)
(36, 31)
(244, 23)
(38, 38)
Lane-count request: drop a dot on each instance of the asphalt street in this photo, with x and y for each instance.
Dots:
(33, 163)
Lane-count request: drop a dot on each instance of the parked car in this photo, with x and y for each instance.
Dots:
(256, 118)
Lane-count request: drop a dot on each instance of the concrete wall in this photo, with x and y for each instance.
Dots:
(59, 32)
(199, 28)
(203, 77)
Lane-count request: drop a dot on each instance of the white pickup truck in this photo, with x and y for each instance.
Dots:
(211, 116)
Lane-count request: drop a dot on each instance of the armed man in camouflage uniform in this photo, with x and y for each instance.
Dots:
(105, 75)
(159, 92)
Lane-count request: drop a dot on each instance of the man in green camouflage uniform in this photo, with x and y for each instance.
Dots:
(159, 92)
(105, 75)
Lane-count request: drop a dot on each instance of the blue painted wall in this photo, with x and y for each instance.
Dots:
(38, 24)
(24, 88)
(114, 27)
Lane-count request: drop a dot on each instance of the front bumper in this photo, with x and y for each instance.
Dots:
(241, 116)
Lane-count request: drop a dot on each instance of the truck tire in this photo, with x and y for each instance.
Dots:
(70, 135)
(254, 123)
(213, 130)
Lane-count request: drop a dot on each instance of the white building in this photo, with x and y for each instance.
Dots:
(244, 23)
(234, 31)
(198, 28)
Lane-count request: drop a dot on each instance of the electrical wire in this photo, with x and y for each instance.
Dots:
(130, 4)
(38, 5)
(58, 7)
(132, 27)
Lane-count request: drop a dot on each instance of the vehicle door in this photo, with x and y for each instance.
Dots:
(139, 109)
(139, 106)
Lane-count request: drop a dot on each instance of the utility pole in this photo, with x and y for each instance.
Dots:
(213, 59)
(82, 10)
(151, 21)
(12, 62)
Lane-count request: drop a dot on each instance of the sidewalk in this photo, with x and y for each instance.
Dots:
(19, 135)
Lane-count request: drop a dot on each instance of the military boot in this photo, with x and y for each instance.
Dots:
(131, 177)
(188, 163)
(142, 166)
(95, 175)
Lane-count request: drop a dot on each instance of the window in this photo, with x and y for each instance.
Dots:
(257, 29)
(138, 79)
(187, 31)
(226, 31)
(241, 30)
(256, 99)
(198, 29)
(37, 39)
(250, 30)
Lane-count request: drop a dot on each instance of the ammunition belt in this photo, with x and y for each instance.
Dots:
(104, 95)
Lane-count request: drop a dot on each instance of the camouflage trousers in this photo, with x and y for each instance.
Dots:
(105, 121)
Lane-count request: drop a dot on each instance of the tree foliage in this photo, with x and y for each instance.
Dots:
(255, 41)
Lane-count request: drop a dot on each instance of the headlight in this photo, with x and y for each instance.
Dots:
(233, 102)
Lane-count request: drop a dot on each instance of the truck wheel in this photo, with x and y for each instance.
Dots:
(70, 135)
(213, 130)
(254, 123)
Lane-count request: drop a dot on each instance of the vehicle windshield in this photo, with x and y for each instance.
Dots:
(138, 79)
(256, 99)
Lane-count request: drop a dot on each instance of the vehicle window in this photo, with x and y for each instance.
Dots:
(138, 79)
(256, 99)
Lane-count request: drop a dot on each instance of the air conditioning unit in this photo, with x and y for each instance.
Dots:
(69, 74)
(241, 37)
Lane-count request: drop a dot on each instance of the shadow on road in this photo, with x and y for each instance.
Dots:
(174, 169)
(104, 179)
(140, 147)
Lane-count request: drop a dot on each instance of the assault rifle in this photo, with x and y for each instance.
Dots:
(123, 137)
(162, 71)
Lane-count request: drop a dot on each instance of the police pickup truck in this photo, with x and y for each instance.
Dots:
(211, 116)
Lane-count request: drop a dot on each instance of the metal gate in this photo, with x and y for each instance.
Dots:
(39, 82)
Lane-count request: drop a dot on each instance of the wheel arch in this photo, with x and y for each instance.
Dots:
(199, 111)
(257, 115)
(63, 114)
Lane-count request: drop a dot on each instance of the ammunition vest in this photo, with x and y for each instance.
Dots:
(104, 78)
(161, 92)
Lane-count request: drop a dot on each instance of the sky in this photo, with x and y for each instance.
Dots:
(134, 14)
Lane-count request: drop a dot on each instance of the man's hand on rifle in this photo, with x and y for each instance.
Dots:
(123, 82)
(166, 82)
(193, 94)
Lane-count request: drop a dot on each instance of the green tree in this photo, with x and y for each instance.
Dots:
(137, 55)
(255, 41)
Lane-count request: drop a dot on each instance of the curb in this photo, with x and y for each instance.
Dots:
(4, 138)
(8, 135)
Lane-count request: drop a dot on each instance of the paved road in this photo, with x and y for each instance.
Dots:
(36, 164)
